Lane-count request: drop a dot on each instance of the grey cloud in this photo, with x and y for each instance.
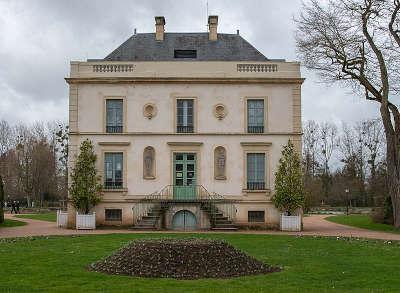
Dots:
(39, 38)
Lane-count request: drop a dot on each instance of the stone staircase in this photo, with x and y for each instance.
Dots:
(217, 218)
(150, 221)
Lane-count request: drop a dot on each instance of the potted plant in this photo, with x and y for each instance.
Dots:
(289, 195)
(85, 186)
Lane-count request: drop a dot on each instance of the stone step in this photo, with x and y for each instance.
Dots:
(143, 228)
(223, 222)
(224, 225)
(224, 229)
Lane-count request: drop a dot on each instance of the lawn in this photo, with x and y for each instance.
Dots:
(362, 221)
(310, 264)
(49, 217)
(11, 223)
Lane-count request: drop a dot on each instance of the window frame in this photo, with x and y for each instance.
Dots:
(265, 116)
(112, 219)
(123, 171)
(249, 147)
(185, 54)
(124, 107)
(252, 219)
(256, 183)
(194, 118)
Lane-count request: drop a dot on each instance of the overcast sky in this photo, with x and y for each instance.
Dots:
(38, 39)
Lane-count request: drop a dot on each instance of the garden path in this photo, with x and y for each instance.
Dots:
(314, 225)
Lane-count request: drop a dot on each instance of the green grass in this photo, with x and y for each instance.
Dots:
(310, 264)
(362, 221)
(11, 223)
(49, 217)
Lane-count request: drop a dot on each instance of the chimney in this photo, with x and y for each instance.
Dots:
(212, 27)
(160, 22)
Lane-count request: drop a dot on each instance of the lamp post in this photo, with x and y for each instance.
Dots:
(347, 200)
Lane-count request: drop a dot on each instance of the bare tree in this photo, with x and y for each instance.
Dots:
(357, 42)
(328, 143)
(310, 145)
(6, 137)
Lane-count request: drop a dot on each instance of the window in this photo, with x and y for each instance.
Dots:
(256, 171)
(185, 54)
(256, 216)
(114, 113)
(113, 214)
(255, 116)
(113, 170)
(184, 116)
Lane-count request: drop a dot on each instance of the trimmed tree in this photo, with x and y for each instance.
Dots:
(1, 200)
(289, 195)
(85, 183)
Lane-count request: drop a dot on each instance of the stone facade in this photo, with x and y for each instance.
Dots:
(220, 91)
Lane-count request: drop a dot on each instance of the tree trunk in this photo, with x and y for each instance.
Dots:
(392, 161)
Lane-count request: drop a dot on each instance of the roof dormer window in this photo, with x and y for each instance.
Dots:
(185, 54)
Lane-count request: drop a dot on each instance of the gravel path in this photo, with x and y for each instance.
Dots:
(314, 225)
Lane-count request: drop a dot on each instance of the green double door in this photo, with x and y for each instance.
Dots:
(185, 176)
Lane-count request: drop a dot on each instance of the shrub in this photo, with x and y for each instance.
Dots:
(289, 195)
(85, 187)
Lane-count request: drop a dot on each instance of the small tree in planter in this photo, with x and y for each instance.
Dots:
(289, 195)
(85, 183)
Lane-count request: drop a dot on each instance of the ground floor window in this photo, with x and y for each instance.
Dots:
(113, 215)
(255, 171)
(113, 170)
(256, 216)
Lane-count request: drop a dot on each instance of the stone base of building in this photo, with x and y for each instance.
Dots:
(185, 215)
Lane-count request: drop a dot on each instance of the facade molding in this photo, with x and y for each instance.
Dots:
(186, 134)
(184, 143)
(198, 80)
(256, 143)
(114, 143)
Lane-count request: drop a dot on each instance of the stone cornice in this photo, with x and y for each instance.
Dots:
(114, 143)
(198, 80)
(184, 143)
(186, 134)
(255, 143)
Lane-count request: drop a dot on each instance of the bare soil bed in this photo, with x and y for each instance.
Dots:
(181, 259)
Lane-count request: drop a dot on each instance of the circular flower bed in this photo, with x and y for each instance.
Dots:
(181, 259)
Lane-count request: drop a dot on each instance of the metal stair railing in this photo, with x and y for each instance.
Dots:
(214, 203)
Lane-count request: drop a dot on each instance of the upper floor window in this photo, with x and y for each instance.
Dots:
(184, 116)
(113, 170)
(255, 115)
(185, 54)
(114, 116)
(255, 171)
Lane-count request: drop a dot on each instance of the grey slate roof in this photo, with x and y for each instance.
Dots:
(145, 47)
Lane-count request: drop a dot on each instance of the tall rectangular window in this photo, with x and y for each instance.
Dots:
(256, 171)
(114, 116)
(255, 116)
(113, 170)
(184, 116)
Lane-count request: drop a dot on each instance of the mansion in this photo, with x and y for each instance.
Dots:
(188, 129)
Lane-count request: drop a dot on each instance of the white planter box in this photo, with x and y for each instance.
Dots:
(62, 219)
(290, 223)
(85, 221)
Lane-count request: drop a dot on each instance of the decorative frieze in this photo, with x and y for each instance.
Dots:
(257, 67)
(113, 68)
